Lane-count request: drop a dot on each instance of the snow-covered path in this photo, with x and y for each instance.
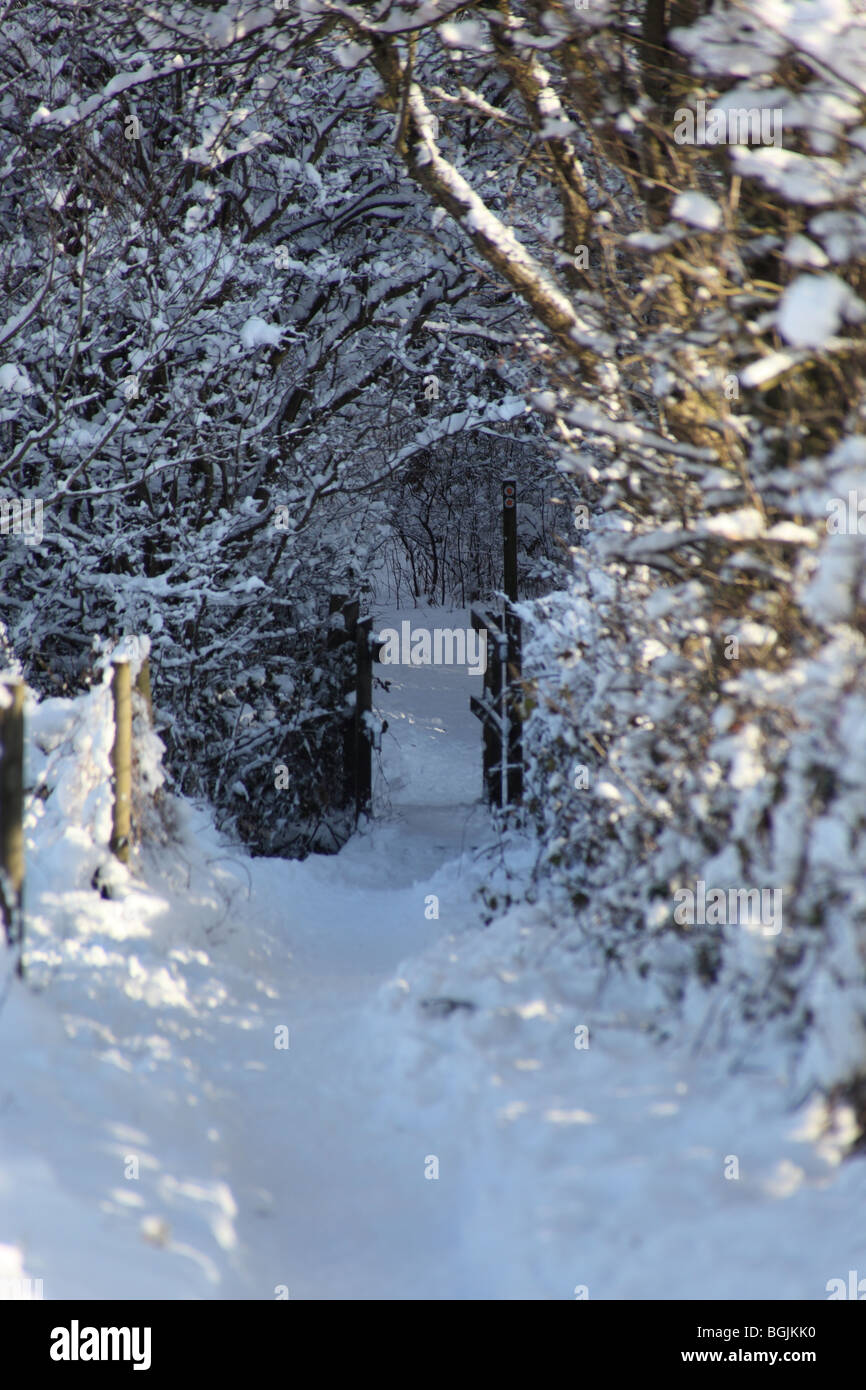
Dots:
(157, 1142)
(349, 1211)
(259, 1166)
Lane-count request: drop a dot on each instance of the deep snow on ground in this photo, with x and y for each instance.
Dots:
(145, 1041)
(431, 750)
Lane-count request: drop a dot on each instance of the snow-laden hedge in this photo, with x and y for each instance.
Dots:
(677, 749)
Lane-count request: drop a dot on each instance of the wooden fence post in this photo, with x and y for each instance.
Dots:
(489, 709)
(357, 735)
(363, 713)
(498, 687)
(121, 759)
(499, 707)
(11, 818)
(513, 753)
(357, 742)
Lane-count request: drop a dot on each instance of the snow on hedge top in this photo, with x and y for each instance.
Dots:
(256, 333)
(469, 34)
(801, 251)
(15, 378)
(813, 307)
(799, 178)
(121, 82)
(698, 210)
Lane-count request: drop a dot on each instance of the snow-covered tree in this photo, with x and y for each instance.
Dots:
(274, 271)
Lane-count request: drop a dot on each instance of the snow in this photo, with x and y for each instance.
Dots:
(801, 178)
(14, 378)
(813, 307)
(767, 368)
(843, 234)
(801, 251)
(350, 55)
(280, 1049)
(257, 333)
(431, 746)
(698, 210)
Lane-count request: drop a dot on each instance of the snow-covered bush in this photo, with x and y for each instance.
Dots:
(698, 681)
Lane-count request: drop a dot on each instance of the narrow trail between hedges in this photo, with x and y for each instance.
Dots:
(336, 1203)
(238, 1077)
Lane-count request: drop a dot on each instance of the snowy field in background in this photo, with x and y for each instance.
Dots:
(146, 1044)
(431, 750)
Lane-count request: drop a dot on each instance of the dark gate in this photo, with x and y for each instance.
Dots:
(499, 708)
(359, 732)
